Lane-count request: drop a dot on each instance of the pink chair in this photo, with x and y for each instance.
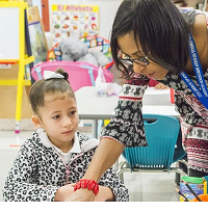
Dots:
(80, 73)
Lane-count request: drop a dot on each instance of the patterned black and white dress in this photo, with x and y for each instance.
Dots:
(127, 124)
(39, 170)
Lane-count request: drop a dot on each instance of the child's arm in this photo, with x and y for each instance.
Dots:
(105, 194)
(64, 192)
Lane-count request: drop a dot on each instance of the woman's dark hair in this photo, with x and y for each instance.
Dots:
(53, 86)
(160, 28)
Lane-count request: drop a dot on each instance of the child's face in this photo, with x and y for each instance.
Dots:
(60, 119)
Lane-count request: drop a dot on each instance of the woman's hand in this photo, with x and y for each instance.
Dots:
(160, 86)
(64, 192)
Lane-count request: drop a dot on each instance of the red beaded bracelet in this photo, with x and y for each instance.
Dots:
(89, 184)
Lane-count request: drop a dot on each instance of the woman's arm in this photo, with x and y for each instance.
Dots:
(111, 180)
(100, 163)
(101, 160)
(126, 128)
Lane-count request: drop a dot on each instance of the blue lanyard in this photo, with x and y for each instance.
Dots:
(202, 93)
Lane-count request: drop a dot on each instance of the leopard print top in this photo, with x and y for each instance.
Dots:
(38, 171)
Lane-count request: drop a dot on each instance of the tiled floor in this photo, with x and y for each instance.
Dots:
(142, 186)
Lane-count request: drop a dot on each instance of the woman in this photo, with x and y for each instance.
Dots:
(150, 40)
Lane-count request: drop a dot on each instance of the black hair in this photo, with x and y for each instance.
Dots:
(160, 28)
(53, 86)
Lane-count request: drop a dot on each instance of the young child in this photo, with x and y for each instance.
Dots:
(56, 156)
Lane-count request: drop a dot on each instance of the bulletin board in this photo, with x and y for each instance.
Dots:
(80, 20)
(9, 33)
(37, 35)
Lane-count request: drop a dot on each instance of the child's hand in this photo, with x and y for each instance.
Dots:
(160, 86)
(64, 192)
(82, 195)
(104, 194)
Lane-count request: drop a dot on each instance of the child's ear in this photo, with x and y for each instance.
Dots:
(36, 120)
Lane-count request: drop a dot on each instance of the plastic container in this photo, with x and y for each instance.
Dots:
(203, 197)
(193, 179)
(172, 97)
(197, 184)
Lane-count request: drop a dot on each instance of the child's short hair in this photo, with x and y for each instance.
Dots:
(52, 87)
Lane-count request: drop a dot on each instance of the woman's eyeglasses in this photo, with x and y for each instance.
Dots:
(143, 60)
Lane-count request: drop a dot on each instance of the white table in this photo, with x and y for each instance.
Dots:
(93, 107)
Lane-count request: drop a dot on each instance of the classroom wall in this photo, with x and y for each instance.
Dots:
(107, 8)
(192, 3)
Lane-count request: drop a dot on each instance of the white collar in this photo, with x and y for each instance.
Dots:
(76, 146)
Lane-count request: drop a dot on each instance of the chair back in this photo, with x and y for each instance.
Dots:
(80, 73)
(161, 134)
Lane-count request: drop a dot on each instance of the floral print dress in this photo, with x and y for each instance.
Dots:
(127, 124)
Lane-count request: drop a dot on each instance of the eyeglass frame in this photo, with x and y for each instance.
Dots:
(143, 60)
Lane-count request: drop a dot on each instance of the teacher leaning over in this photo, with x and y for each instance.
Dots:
(153, 39)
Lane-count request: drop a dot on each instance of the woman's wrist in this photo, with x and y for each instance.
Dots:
(92, 175)
(89, 184)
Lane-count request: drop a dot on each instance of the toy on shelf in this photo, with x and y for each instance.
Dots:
(91, 49)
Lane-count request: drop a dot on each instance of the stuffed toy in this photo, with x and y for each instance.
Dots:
(74, 49)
